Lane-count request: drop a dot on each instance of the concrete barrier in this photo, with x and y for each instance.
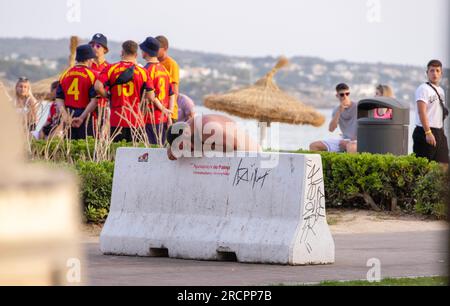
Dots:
(218, 209)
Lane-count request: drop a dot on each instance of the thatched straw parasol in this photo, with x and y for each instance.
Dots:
(265, 102)
(42, 87)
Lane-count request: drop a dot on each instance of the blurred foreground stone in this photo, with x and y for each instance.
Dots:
(39, 214)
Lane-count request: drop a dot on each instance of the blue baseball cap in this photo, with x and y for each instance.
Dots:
(100, 39)
(84, 53)
(151, 46)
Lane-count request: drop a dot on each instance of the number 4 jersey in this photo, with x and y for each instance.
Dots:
(126, 98)
(76, 87)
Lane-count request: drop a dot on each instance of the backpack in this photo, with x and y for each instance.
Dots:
(125, 77)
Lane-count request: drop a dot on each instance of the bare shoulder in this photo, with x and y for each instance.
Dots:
(217, 118)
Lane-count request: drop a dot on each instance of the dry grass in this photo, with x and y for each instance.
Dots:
(59, 141)
(150, 111)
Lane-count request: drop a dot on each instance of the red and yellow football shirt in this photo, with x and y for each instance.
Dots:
(163, 91)
(76, 87)
(98, 69)
(174, 72)
(125, 99)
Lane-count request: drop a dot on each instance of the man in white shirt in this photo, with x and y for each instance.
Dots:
(429, 137)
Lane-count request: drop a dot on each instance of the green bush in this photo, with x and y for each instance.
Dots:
(384, 182)
(95, 188)
(380, 182)
(431, 191)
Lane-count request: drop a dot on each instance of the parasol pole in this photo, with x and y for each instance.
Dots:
(263, 126)
(74, 41)
(262, 134)
(267, 79)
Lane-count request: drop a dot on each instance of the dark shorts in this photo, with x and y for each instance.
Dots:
(125, 134)
(421, 148)
(99, 123)
(50, 127)
(82, 131)
(156, 133)
(32, 127)
(47, 129)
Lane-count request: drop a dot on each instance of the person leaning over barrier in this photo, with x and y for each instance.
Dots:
(345, 116)
(429, 137)
(203, 133)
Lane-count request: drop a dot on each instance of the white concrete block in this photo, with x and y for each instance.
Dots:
(39, 225)
(206, 208)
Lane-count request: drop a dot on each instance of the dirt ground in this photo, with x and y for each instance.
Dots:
(343, 222)
(365, 222)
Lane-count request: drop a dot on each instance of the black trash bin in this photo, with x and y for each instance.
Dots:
(383, 135)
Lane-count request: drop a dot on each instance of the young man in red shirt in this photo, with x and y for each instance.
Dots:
(156, 117)
(99, 44)
(53, 119)
(54, 116)
(76, 94)
(129, 84)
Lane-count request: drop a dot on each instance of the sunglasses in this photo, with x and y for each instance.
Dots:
(96, 46)
(23, 79)
(344, 94)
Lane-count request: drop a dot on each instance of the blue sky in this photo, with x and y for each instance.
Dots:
(390, 31)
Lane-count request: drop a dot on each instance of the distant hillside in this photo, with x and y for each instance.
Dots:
(310, 79)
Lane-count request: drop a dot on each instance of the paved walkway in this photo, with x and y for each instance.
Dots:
(401, 255)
